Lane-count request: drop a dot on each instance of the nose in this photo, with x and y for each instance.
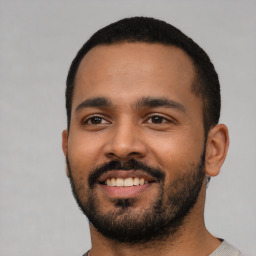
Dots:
(125, 142)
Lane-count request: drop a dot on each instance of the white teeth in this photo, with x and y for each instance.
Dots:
(142, 181)
(128, 182)
(119, 182)
(113, 182)
(136, 181)
(108, 182)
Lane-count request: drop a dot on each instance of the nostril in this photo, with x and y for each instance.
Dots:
(124, 157)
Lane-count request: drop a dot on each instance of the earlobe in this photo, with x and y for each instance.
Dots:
(65, 146)
(216, 149)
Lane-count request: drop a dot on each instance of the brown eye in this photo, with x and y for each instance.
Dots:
(95, 120)
(157, 119)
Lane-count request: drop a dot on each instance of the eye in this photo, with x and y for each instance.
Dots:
(95, 120)
(156, 119)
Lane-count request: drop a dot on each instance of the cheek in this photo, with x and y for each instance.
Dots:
(174, 151)
(83, 147)
(84, 155)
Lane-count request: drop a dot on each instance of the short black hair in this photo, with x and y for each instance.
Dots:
(149, 30)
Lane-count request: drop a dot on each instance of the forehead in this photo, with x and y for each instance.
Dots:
(134, 69)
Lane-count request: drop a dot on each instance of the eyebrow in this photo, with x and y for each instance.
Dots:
(145, 102)
(94, 102)
(159, 102)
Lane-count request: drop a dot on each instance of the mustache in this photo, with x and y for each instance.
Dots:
(131, 164)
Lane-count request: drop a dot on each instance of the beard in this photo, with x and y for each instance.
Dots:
(162, 217)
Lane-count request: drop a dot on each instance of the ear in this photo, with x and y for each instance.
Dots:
(65, 146)
(216, 149)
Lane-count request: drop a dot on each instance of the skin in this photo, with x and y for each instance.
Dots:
(124, 74)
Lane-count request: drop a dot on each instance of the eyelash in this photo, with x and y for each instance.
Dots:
(162, 119)
(89, 119)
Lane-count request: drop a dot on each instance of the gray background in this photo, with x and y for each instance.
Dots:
(38, 215)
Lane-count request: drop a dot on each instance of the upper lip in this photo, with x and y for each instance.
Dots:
(126, 174)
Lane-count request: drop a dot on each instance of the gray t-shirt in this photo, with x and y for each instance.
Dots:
(225, 249)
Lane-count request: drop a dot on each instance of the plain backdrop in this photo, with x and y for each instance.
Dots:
(39, 39)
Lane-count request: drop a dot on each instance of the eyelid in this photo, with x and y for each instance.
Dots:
(167, 119)
(86, 119)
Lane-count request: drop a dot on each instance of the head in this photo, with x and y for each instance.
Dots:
(142, 29)
(143, 103)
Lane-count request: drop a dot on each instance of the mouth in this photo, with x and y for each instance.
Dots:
(125, 184)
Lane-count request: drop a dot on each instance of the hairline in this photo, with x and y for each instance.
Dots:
(194, 83)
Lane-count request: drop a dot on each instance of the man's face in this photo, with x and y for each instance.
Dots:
(135, 149)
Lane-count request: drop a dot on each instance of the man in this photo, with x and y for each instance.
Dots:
(143, 140)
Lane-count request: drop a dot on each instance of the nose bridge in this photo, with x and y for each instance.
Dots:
(125, 140)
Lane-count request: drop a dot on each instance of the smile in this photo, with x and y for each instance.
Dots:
(127, 182)
(121, 178)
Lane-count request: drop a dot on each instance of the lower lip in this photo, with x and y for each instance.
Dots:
(124, 192)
